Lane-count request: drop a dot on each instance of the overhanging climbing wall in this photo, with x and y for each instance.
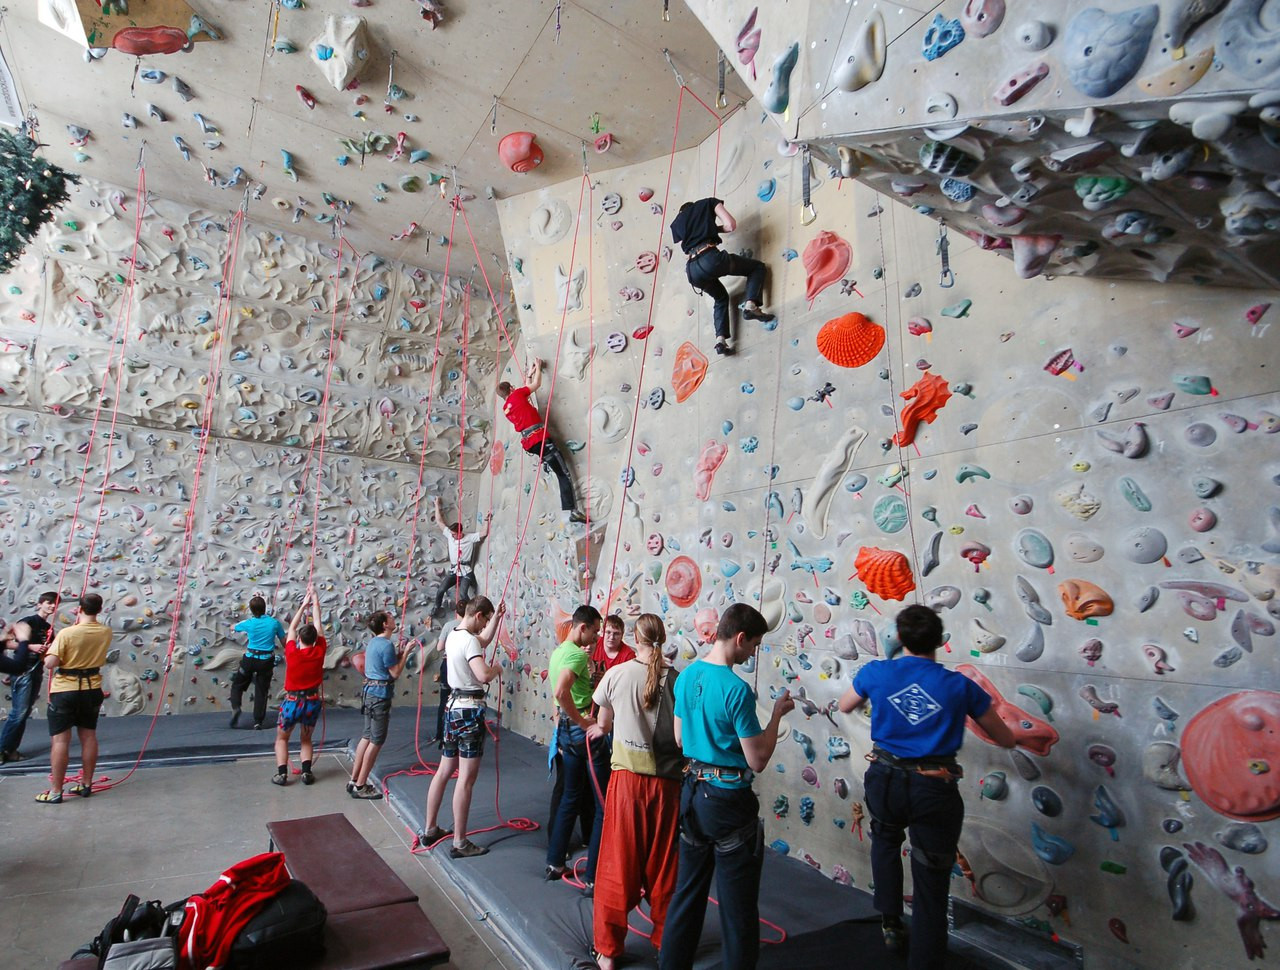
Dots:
(257, 499)
(1081, 475)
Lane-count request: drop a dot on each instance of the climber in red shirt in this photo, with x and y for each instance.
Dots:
(534, 437)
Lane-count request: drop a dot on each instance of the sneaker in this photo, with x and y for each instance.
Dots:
(235, 717)
(368, 792)
(895, 933)
(80, 788)
(308, 778)
(351, 788)
(279, 779)
(258, 725)
(433, 835)
(468, 850)
(8, 756)
(553, 873)
(752, 312)
(49, 798)
(588, 890)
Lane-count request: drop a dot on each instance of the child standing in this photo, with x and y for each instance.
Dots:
(303, 671)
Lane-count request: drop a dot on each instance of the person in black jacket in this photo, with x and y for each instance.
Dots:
(697, 228)
(27, 683)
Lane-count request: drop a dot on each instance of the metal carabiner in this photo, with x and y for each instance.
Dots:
(808, 214)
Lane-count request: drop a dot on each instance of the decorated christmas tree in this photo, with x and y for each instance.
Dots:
(31, 188)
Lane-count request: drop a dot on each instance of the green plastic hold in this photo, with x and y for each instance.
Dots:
(15, 291)
(575, 446)
(966, 472)
(858, 600)
(1193, 383)
(410, 183)
(72, 225)
(1039, 698)
(957, 310)
(994, 786)
(1115, 868)
(1134, 495)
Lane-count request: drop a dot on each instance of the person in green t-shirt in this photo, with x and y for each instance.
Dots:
(585, 764)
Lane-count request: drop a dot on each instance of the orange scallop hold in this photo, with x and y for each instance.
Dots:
(826, 259)
(851, 340)
(884, 572)
(520, 151)
(684, 581)
(688, 372)
(1083, 599)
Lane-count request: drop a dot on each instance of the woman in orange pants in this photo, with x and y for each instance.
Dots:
(638, 849)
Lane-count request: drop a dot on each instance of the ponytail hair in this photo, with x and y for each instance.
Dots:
(651, 632)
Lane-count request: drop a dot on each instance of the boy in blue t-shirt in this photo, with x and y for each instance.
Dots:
(383, 663)
(258, 662)
(720, 829)
(918, 712)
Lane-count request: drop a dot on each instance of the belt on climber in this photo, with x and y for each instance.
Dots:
(704, 248)
(701, 771)
(946, 769)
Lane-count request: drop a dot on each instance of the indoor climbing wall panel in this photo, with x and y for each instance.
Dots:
(303, 323)
(1116, 140)
(1079, 475)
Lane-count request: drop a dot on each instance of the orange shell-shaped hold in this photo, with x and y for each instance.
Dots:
(1083, 599)
(688, 372)
(884, 572)
(851, 340)
(926, 398)
(825, 260)
(684, 581)
(520, 152)
(1230, 751)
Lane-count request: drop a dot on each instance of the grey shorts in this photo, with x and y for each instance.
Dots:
(377, 715)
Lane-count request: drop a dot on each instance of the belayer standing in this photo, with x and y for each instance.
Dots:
(918, 711)
(258, 662)
(697, 228)
(303, 673)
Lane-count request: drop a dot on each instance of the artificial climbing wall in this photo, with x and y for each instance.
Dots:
(1080, 475)
(301, 322)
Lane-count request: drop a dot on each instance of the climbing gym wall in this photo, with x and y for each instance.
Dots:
(325, 377)
(1080, 474)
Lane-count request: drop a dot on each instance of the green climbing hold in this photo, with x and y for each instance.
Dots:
(72, 225)
(15, 291)
(1115, 868)
(1134, 495)
(957, 310)
(1193, 383)
(966, 472)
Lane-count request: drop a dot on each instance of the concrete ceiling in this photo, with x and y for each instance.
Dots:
(552, 67)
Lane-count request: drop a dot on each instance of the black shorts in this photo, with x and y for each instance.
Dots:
(69, 709)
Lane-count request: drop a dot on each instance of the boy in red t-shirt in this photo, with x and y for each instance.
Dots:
(610, 650)
(303, 671)
(534, 437)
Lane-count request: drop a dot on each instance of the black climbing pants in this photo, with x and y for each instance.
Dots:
(899, 800)
(705, 272)
(259, 673)
(553, 462)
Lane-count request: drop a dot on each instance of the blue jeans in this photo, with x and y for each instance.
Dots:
(720, 833)
(571, 742)
(933, 810)
(25, 690)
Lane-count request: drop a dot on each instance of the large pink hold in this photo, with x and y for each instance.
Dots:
(826, 259)
(1231, 754)
(713, 454)
(684, 581)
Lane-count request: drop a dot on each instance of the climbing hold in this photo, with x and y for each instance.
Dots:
(1051, 848)
(688, 371)
(926, 398)
(851, 340)
(1046, 801)
(994, 786)
(890, 513)
(1091, 651)
(947, 160)
(777, 95)
(941, 36)
(684, 581)
(1193, 384)
(884, 572)
(1145, 545)
(967, 472)
(1200, 434)
(1014, 87)
(865, 60)
(1202, 520)
(1104, 51)
(520, 152)
(764, 192)
(1031, 254)
(826, 258)
(957, 310)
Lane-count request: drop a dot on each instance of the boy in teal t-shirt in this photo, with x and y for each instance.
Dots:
(720, 830)
(258, 662)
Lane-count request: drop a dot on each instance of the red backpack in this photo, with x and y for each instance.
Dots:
(214, 917)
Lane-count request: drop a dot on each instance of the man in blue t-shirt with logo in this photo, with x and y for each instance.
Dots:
(720, 828)
(918, 712)
(258, 662)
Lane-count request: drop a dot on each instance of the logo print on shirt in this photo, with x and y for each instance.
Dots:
(915, 704)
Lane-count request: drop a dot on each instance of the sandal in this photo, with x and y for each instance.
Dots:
(80, 788)
(50, 798)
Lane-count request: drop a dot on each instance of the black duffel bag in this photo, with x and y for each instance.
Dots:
(287, 932)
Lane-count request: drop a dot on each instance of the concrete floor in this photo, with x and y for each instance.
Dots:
(169, 832)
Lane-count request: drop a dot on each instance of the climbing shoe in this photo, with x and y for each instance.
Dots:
(554, 873)
(308, 778)
(49, 798)
(368, 792)
(576, 516)
(752, 312)
(468, 850)
(433, 835)
(279, 779)
(80, 788)
(724, 348)
(895, 933)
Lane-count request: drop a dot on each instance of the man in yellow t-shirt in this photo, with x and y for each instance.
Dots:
(75, 659)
